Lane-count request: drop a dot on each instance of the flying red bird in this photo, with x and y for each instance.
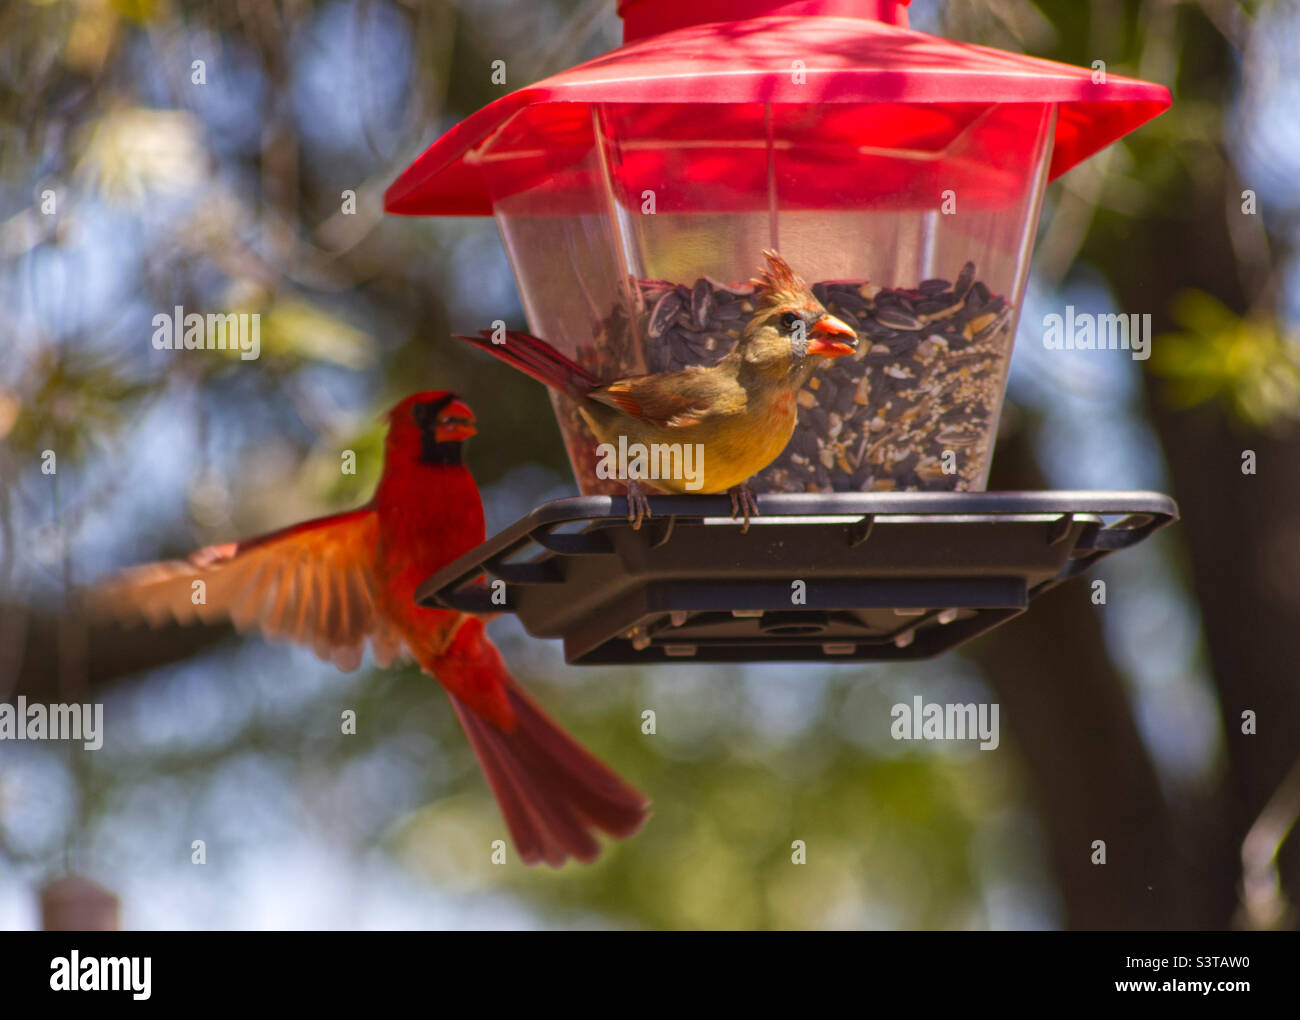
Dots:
(335, 583)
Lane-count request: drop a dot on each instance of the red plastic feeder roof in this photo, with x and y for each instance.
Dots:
(845, 60)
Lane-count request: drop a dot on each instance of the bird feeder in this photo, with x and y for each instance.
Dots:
(900, 173)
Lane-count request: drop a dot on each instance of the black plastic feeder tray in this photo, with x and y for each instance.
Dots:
(842, 577)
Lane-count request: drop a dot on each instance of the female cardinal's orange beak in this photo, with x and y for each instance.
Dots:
(825, 332)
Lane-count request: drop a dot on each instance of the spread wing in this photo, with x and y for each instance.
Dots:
(312, 584)
(674, 399)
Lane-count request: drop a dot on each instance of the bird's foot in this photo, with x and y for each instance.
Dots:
(743, 502)
(638, 506)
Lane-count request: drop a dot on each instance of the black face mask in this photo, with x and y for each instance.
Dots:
(431, 450)
(434, 452)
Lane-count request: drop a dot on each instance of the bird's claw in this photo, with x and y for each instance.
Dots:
(743, 502)
(638, 506)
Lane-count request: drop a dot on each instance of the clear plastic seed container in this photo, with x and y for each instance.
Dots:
(636, 257)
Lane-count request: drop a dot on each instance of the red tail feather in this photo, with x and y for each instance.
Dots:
(538, 359)
(553, 793)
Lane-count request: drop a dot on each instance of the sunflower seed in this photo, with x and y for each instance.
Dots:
(664, 313)
(897, 319)
(701, 303)
(964, 280)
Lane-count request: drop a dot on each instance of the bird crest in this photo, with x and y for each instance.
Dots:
(779, 284)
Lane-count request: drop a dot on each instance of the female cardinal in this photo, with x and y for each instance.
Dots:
(334, 583)
(741, 411)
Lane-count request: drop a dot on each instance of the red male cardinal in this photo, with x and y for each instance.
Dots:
(334, 583)
(741, 411)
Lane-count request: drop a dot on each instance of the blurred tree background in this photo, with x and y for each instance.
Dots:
(135, 180)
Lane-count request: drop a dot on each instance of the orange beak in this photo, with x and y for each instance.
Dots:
(832, 338)
(456, 430)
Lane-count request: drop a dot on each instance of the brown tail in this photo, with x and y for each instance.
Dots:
(553, 792)
(539, 359)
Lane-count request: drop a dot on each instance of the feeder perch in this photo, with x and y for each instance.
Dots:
(901, 175)
(830, 578)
